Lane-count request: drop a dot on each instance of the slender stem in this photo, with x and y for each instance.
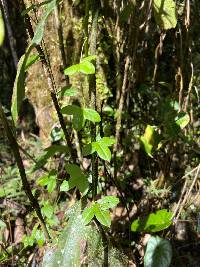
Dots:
(92, 94)
(85, 26)
(15, 149)
(51, 83)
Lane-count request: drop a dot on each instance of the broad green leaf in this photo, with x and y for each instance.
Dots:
(88, 214)
(158, 253)
(77, 178)
(103, 216)
(2, 29)
(102, 150)
(87, 67)
(43, 180)
(67, 251)
(66, 91)
(155, 222)
(40, 27)
(72, 70)
(31, 60)
(107, 141)
(182, 119)
(64, 187)
(91, 115)
(89, 58)
(19, 85)
(108, 202)
(47, 210)
(101, 147)
(165, 13)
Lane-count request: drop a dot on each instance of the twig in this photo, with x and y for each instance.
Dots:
(15, 149)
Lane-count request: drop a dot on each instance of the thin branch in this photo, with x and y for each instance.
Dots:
(15, 149)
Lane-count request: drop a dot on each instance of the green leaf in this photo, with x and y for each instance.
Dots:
(165, 13)
(47, 210)
(72, 70)
(182, 119)
(101, 147)
(91, 115)
(155, 222)
(150, 140)
(107, 141)
(48, 180)
(102, 150)
(2, 29)
(51, 184)
(88, 214)
(64, 187)
(77, 178)
(89, 58)
(40, 27)
(108, 202)
(66, 91)
(87, 67)
(31, 60)
(103, 216)
(158, 253)
(19, 85)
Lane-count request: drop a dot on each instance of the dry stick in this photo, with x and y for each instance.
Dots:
(52, 88)
(188, 193)
(181, 202)
(15, 149)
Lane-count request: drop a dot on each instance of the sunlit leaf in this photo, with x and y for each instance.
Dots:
(88, 214)
(64, 186)
(91, 115)
(182, 119)
(103, 216)
(155, 222)
(2, 29)
(158, 253)
(89, 58)
(165, 13)
(87, 67)
(72, 70)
